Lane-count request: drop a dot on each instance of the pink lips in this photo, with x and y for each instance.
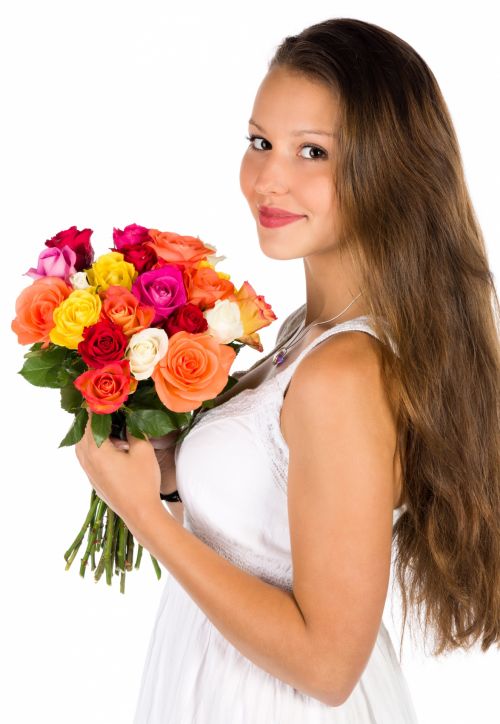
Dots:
(272, 217)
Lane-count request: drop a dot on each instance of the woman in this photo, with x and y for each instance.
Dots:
(321, 456)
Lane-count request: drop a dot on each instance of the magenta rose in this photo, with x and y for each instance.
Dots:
(102, 343)
(188, 318)
(131, 242)
(54, 263)
(79, 242)
(132, 235)
(162, 288)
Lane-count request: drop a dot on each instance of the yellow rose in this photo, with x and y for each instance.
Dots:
(111, 269)
(80, 309)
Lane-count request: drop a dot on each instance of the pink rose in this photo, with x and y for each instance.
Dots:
(162, 288)
(54, 263)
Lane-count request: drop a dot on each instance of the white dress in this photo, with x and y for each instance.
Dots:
(232, 478)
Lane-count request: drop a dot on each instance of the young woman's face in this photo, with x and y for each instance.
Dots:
(292, 170)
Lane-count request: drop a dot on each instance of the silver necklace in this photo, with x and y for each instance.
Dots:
(280, 355)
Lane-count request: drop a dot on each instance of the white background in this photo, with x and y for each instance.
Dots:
(121, 112)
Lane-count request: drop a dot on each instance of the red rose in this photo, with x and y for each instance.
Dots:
(107, 388)
(187, 318)
(143, 257)
(79, 242)
(102, 342)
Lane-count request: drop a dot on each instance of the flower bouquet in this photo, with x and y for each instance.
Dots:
(144, 337)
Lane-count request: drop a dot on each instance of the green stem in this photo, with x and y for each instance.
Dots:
(156, 566)
(92, 539)
(99, 523)
(122, 545)
(73, 549)
(100, 568)
(130, 551)
(139, 556)
(116, 540)
(108, 547)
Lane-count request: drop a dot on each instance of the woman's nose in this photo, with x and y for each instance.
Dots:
(271, 180)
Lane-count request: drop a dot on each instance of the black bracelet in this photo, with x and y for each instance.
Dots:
(171, 497)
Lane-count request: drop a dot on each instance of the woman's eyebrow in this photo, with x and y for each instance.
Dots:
(295, 133)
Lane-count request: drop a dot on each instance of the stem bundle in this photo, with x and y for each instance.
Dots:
(116, 545)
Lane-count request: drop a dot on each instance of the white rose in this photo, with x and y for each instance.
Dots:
(79, 280)
(224, 321)
(212, 258)
(144, 350)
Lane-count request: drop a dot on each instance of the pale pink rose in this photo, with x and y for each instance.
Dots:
(54, 262)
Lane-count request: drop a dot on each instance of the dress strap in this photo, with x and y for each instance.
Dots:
(361, 324)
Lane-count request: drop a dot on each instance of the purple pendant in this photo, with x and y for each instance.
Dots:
(279, 356)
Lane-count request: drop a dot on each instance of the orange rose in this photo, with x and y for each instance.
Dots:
(195, 369)
(177, 249)
(108, 387)
(34, 309)
(124, 309)
(204, 286)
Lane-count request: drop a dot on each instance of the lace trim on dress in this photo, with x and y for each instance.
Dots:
(268, 568)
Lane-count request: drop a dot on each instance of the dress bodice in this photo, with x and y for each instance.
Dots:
(232, 470)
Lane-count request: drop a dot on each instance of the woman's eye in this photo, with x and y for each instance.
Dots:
(306, 145)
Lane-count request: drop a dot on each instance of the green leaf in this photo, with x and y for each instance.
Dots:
(43, 369)
(71, 398)
(75, 433)
(74, 365)
(35, 350)
(154, 423)
(101, 427)
(134, 429)
(145, 398)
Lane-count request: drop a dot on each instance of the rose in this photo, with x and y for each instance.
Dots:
(162, 289)
(111, 269)
(34, 310)
(224, 321)
(132, 235)
(80, 309)
(108, 387)
(79, 280)
(131, 242)
(205, 286)
(195, 369)
(145, 349)
(123, 308)
(177, 249)
(102, 343)
(143, 257)
(78, 241)
(187, 318)
(255, 313)
(54, 263)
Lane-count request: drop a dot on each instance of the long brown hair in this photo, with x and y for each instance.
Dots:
(408, 220)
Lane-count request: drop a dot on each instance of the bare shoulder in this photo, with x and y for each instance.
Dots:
(347, 367)
(341, 439)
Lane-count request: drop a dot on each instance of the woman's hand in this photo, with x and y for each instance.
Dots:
(164, 448)
(127, 480)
